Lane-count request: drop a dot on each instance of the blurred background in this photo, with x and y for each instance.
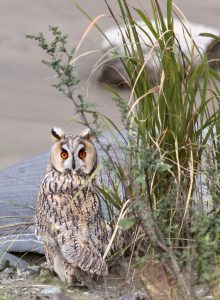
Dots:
(30, 107)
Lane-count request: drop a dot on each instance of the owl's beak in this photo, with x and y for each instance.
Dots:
(73, 164)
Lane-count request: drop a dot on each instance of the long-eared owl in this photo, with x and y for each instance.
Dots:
(69, 217)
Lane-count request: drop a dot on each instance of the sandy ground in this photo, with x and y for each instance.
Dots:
(29, 105)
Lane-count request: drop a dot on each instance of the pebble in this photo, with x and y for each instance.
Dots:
(201, 292)
(8, 271)
(45, 272)
(133, 296)
(51, 290)
(28, 271)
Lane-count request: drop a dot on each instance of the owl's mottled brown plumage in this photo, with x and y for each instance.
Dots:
(70, 222)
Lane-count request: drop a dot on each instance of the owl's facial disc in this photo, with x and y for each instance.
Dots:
(67, 158)
(85, 157)
(76, 153)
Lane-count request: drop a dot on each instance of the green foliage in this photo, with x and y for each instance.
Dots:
(172, 149)
(127, 223)
(206, 245)
(5, 296)
(60, 61)
(141, 262)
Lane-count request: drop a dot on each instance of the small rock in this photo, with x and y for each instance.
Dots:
(133, 296)
(45, 272)
(28, 271)
(51, 290)
(9, 272)
(201, 292)
(140, 296)
(4, 264)
(35, 269)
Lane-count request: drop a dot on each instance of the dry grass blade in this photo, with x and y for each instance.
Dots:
(87, 31)
(189, 195)
(151, 91)
(123, 212)
(74, 60)
(16, 224)
(18, 235)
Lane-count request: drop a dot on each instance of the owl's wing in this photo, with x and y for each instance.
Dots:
(77, 251)
(80, 255)
(57, 229)
(73, 250)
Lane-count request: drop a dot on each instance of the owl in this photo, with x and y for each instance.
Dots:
(69, 218)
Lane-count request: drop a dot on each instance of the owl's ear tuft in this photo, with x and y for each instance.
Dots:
(57, 134)
(88, 134)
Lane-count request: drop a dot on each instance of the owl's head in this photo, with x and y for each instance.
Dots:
(76, 153)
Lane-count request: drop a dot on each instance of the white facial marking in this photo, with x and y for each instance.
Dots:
(67, 162)
(79, 163)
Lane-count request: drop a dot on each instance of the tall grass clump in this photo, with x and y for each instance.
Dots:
(169, 183)
(163, 167)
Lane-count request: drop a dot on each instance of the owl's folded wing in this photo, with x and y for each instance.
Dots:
(80, 255)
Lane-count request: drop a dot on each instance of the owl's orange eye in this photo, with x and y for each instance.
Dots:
(82, 154)
(64, 154)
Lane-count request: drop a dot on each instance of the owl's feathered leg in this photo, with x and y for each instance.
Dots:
(57, 264)
(67, 272)
(72, 275)
(75, 276)
(49, 253)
